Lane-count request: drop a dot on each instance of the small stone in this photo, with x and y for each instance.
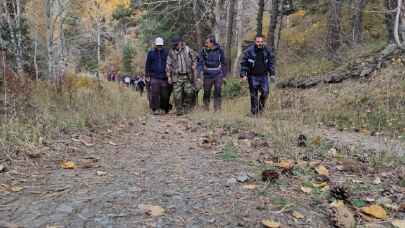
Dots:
(377, 180)
(101, 173)
(243, 177)
(230, 181)
(3, 169)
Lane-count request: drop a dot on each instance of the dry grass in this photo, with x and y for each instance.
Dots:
(41, 113)
(375, 105)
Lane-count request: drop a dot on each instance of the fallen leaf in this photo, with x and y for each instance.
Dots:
(270, 223)
(314, 163)
(16, 189)
(322, 170)
(68, 165)
(325, 188)
(320, 185)
(286, 164)
(306, 189)
(317, 140)
(364, 131)
(376, 211)
(297, 215)
(341, 216)
(398, 223)
(112, 144)
(249, 186)
(151, 210)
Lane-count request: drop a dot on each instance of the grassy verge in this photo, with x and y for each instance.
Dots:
(35, 112)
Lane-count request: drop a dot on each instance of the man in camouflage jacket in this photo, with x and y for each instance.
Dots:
(180, 68)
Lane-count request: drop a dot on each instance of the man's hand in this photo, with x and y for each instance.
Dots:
(273, 78)
(169, 80)
(243, 78)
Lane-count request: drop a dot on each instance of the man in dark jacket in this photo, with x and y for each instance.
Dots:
(211, 63)
(155, 73)
(256, 66)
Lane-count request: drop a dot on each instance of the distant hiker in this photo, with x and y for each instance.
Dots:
(211, 63)
(155, 73)
(257, 65)
(181, 64)
(112, 75)
(139, 84)
(126, 79)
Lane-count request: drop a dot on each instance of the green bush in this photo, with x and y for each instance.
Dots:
(232, 88)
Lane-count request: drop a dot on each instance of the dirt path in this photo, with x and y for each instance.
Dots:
(158, 163)
(161, 161)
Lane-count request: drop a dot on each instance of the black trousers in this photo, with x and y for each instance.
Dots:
(159, 95)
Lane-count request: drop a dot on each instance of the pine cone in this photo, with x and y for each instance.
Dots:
(339, 193)
(270, 175)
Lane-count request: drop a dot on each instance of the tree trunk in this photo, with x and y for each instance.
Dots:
(357, 21)
(14, 25)
(259, 19)
(198, 21)
(399, 27)
(390, 19)
(49, 37)
(36, 54)
(19, 51)
(218, 27)
(240, 25)
(333, 39)
(229, 32)
(271, 38)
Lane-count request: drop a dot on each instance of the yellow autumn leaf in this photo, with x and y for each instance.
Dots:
(68, 165)
(16, 189)
(300, 13)
(376, 211)
(249, 186)
(398, 223)
(286, 164)
(297, 215)
(320, 185)
(270, 223)
(337, 204)
(306, 189)
(322, 170)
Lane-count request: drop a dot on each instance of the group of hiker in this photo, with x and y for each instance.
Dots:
(134, 81)
(184, 72)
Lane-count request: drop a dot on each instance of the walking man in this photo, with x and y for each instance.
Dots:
(256, 66)
(212, 65)
(181, 64)
(155, 73)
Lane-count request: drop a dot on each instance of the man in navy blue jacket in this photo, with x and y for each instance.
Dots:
(256, 66)
(155, 73)
(211, 63)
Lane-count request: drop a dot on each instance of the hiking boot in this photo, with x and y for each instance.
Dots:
(157, 112)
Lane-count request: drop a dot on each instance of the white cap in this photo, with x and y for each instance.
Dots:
(159, 41)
